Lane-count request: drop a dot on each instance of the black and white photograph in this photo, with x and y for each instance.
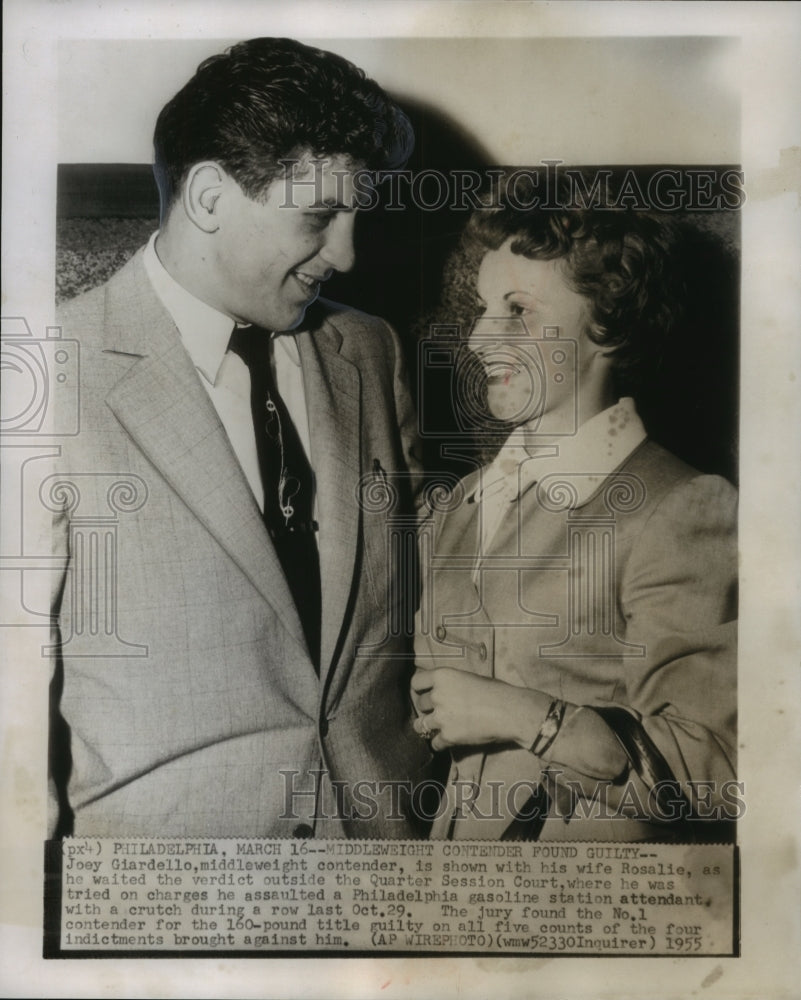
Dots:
(399, 446)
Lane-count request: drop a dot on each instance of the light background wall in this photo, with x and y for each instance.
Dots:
(581, 100)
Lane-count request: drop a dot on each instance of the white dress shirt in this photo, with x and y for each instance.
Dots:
(205, 333)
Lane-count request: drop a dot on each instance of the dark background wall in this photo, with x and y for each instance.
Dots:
(409, 270)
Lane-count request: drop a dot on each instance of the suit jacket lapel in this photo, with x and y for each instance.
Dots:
(455, 547)
(332, 386)
(162, 405)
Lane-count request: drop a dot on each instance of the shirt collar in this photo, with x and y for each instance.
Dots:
(598, 448)
(204, 331)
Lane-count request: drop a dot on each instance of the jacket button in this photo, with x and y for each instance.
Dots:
(324, 728)
(482, 651)
(441, 632)
(303, 830)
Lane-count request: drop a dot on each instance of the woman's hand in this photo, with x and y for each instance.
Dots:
(464, 709)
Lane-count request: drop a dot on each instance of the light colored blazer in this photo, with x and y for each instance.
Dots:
(623, 597)
(187, 685)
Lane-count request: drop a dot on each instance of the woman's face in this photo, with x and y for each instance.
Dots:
(531, 339)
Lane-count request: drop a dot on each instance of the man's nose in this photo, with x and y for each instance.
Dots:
(338, 251)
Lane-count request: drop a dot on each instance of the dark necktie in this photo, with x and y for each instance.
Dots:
(288, 482)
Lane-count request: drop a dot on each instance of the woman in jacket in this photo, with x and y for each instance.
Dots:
(576, 638)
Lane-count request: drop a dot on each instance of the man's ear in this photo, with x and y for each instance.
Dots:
(200, 194)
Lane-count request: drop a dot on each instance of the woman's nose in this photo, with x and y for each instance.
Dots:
(491, 331)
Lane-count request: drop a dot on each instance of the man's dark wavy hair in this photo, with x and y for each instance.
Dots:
(270, 99)
(621, 261)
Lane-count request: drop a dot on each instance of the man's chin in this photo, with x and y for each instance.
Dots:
(291, 321)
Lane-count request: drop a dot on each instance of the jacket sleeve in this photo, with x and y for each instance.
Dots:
(58, 733)
(678, 597)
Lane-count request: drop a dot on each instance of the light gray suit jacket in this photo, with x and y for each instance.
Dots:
(623, 598)
(185, 690)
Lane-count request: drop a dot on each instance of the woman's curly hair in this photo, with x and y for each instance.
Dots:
(618, 259)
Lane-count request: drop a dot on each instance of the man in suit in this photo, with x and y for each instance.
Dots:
(229, 669)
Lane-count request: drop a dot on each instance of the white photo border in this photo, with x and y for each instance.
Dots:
(769, 77)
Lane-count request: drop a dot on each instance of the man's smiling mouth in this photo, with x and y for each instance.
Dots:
(308, 280)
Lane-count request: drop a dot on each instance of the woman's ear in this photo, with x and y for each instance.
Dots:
(200, 195)
(595, 330)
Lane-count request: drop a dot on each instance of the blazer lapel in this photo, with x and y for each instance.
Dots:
(332, 386)
(449, 581)
(166, 411)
